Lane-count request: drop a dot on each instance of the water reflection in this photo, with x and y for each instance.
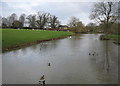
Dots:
(70, 62)
(106, 68)
(49, 45)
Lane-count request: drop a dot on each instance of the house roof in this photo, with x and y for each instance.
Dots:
(63, 26)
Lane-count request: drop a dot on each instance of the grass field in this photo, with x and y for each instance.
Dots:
(11, 37)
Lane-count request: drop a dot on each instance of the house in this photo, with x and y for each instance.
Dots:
(63, 27)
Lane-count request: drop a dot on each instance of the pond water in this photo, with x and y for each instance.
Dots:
(79, 59)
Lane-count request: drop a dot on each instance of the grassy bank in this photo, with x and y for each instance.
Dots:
(12, 37)
(113, 36)
(110, 37)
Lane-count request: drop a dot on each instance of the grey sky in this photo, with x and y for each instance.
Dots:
(63, 10)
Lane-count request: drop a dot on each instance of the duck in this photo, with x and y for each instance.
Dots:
(89, 53)
(42, 80)
(42, 77)
(48, 64)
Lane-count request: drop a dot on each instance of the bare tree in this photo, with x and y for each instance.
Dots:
(42, 19)
(11, 19)
(73, 21)
(4, 22)
(0, 21)
(76, 25)
(32, 21)
(91, 27)
(80, 27)
(105, 13)
(54, 22)
(22, 20)
(118, 12)
(17, 24)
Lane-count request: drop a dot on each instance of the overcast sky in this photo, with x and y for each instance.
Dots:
(62, 9)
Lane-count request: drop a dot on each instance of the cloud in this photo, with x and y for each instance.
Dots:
(63, 10)
(66, 10)
(24, 7)
(59, 0)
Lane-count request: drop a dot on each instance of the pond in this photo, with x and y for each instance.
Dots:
(79, 59)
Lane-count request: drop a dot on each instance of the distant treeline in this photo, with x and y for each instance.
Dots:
(47, 21)
(41, 20)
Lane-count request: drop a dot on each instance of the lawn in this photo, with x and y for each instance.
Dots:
(11, 37)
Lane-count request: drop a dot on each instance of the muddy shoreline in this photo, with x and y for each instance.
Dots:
(14, 47)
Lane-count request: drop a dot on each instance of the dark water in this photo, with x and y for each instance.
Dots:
(70, 62)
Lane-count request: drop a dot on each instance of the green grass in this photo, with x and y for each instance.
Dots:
(11, 37)
(110, 37)
(114, 36)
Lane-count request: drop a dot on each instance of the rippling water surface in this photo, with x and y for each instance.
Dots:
(70, 62)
